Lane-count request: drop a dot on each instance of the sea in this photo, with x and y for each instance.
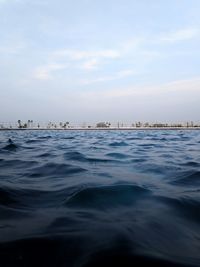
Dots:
(91, 198)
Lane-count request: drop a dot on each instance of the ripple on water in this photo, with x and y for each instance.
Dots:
(55, 170)
(105, 197)
(118, 144)
(99, 198)
(79, 157)
(191, 179)
(117, 155)
(18, 164)
(185, 206)
(11, 147)
(32, 141)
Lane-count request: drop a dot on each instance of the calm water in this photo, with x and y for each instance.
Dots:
(99, 198)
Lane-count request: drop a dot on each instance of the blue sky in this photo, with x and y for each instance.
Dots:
(89, 60)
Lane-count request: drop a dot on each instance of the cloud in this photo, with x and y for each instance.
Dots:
(81, 54)
(132, 44)
(45, 72)
(174, 88)
(85, 59)
(90, 64)
(135, 49)
(126, 73)
(135, 44)
(12, 48)
(9, 1)
(180, 35)
(184, 85)
(4, 1)
(119, 75)
(140, 50)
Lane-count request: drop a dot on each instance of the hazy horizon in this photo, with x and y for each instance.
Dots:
(90, 61)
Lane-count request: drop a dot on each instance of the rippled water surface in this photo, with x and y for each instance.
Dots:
(100, 198)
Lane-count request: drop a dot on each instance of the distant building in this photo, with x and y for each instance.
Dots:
(160, 125)
(103, 125)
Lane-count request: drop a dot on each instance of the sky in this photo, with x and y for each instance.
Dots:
(108, 60)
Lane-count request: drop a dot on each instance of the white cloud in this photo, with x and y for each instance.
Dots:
(186, 85)
(126, 73)
(86, 60)
(174, 88)
(174, 101)
(180, 35)
(132, 44)
(135, 49)
(90, 64)
(96, 80)
(9, 1)
(12, 48)
(81, 54)
(45, 72)
(119, 75)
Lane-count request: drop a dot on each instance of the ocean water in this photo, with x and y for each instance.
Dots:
(100, 198)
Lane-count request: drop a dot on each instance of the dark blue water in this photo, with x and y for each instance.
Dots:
(99, 198)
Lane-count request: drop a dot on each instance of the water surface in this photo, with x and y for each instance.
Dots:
(99, 198)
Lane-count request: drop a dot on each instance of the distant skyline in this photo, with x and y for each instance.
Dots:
(90, 61)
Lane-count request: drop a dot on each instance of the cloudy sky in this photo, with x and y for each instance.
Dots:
(108, 60)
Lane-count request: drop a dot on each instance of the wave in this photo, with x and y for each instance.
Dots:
(191, 164)
(30, 199)
(77, 156)
(58, 251)
(18, 164)
(32, 141)
(105, 197)
(6, 197)
(116, 144)
(191, 179)
(45, 137)
(69, 137)
(55, 170)
(11, 147)
(46, 155)
(99, 198)
(185, 206)
(117, 155)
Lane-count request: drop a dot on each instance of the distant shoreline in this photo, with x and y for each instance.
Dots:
(101, 129)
